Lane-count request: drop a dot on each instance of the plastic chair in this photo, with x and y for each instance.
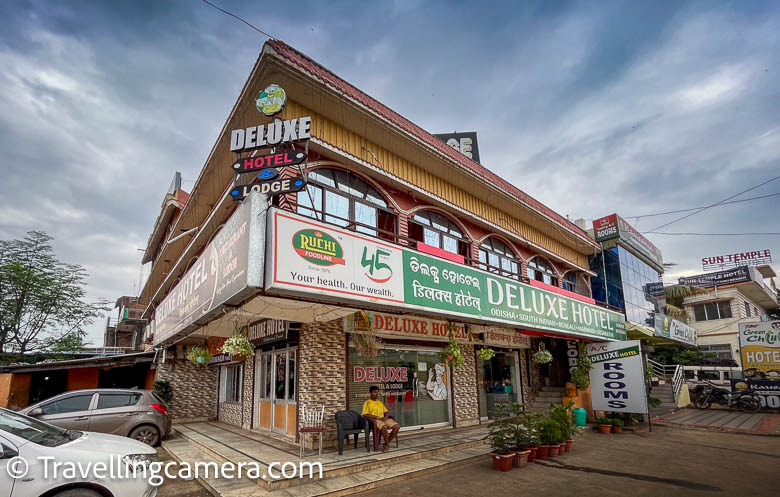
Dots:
(311, 422)
(376, 433)
(350, 423)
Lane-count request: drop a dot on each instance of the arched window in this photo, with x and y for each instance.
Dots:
(496, 256)
(432, 228)
(344, 199)
(541, 270)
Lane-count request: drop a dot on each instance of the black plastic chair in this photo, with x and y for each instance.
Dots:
(350, 423)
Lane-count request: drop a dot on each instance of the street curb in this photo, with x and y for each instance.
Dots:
(688, 426)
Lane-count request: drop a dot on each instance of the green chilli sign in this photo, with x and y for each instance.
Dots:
(433, 283)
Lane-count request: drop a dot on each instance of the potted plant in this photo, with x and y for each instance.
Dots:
(563, 415)
(605, 425)
(617, 425)
(238, 345)
(549, 433)
(451, 353)
(542, 356)
(501, 439)
(198, 355)
(530, 421)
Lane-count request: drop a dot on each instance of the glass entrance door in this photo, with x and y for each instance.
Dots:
(275, 391)
(500, 382)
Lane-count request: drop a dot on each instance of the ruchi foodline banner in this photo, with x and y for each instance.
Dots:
(759, 345)
(306, 257)
(231, 264)
(617, 377)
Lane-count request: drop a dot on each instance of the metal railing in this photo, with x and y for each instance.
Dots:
(670, 373)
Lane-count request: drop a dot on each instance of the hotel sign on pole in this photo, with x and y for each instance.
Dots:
(614, 226)
(727, 261)
(310, 258)
(230, 266)
(667, 327)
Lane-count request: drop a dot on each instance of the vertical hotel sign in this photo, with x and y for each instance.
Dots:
(614, 226)
(230, 266)
(308, 257)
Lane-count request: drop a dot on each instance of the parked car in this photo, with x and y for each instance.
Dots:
(42, 445)
(138, 414)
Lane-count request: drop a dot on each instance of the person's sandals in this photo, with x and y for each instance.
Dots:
(385, 447)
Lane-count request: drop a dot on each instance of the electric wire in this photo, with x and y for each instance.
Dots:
(695, 208)
(710, 206)
(239, 18)
(765, 233)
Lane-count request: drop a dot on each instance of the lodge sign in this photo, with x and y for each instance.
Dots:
(274, 187)
(283, 158)
(267, 331)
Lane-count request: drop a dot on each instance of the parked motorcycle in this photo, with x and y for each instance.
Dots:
(706, 395)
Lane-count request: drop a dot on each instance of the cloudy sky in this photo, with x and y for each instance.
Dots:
(591, 107)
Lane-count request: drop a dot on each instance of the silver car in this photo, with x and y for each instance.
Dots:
(138, 414)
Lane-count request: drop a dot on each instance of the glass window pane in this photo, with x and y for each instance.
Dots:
(71, 404)
(493, 259)
(324, 176)
(291, 375)
(422, 218)
(365, 214)
(725, 309)
(336, 205)
(698, 313)
(305, 202)
(449, 244)
(431, 237)
(440, 223)
(280, 392)
(268, 372)
(111, 400)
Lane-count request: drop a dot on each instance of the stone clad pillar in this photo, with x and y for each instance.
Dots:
(464, 389)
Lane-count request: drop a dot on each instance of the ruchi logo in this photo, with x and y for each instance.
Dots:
(318, 247)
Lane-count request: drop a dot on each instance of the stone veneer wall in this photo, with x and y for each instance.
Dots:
(194, 389)
(464, 389)
(230, 412)
(322, 373)
(240, 414)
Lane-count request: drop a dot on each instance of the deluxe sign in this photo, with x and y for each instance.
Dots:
(426, 329)
(267, 331)
(229, 265)
(278, 186)
(465, 143)
(268, 135)
(617, 377)
(667, 327)
(283, 158)
(759, 345)
(753, 258)
(307, 257)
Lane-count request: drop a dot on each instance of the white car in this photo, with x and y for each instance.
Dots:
(39, 459)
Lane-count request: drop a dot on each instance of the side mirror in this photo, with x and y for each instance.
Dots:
(7, 452)
(34, 413)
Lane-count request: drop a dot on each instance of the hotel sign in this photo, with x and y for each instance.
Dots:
(721, 278)
(310, 258)
(283, 158)
(614, 226)
(667, 327)
(759, 345)
(230, 266)
(426, 329)
(752, 258)
(267, 331)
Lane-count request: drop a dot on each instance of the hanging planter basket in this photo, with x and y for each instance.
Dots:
(542, 356)
(238, 346)
(198, 355)
(486, 353)
(452, 354)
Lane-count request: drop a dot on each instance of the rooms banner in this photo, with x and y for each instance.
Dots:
(617, 378)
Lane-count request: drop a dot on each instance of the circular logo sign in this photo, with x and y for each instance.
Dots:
(271, 100)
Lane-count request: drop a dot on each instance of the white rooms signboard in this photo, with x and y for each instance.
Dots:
(617, 379)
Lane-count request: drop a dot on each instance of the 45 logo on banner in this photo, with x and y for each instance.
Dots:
(376, 263)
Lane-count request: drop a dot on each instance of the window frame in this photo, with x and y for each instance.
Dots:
(718, 305)
(461, 239)
(228, 373)
(352, 223)
(511, 257)
(533, 266)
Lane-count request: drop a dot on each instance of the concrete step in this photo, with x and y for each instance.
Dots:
(365, 478)
(553, 389)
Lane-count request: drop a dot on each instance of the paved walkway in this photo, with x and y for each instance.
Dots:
(724, 420)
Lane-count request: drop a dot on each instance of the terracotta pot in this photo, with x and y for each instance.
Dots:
(561, 448)
(502, 462)
(541, 452)
(521, 458)
(532, 454)
(553, 451)
(605, 429)
(569, 444)
(617, 429)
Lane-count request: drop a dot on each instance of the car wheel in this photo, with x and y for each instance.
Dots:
(78, 492)
(147, 434)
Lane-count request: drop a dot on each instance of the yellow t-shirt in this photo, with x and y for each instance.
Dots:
(374, 408)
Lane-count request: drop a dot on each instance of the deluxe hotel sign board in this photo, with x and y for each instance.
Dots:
(306, 257)
(229, 268)
(421, 328)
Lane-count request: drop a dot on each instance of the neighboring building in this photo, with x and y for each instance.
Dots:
(397, 240)
(741, 295)
(125, 333)
(628, 274)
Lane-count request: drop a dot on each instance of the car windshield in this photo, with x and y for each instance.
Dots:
(35, 431)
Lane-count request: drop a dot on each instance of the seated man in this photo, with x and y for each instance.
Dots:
(374, 408)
